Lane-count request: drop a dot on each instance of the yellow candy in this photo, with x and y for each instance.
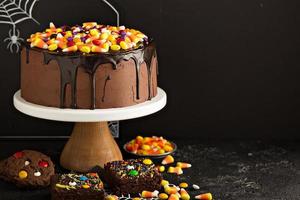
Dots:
(52, 47)
(163, 196)
(68, 34)
(111, 38)
(86, 186)
(77, 39)
(168, 148)
(104, 36)
(105, 46)
(161, 168)
(94, 32)
(123, 45)
(23, 174)
(111, 197)
(183, 185)
(127, 39)
(115, 47)
(85, 49)
(147, 162)
(136, 198)
(164, 182)
(146, 147)
(161, 151)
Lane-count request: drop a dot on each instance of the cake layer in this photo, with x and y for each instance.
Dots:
(90, 81)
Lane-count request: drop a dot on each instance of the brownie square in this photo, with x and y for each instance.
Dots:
(77, 187)
(132, 176)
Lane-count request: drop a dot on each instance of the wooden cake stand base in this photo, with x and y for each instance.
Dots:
(78, 154)
(91, 143)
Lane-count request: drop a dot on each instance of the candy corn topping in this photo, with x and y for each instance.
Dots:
(88, 38)
(206, 196)
(167, 160)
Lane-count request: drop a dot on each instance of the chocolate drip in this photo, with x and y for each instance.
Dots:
(69, 64)
(107, 79)
(150, 52)
(68, 71)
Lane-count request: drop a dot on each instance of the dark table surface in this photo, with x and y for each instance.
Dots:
(230, 170)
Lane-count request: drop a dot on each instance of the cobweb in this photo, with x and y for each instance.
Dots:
(16, 11)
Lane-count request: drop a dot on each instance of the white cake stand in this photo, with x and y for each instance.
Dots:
(91, 143)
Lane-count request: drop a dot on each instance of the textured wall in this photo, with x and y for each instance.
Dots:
(230, 68)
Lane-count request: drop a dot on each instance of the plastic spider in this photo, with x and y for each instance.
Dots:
(13, 40)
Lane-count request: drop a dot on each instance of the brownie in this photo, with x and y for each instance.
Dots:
(132, 176)
(27, 169)
(77, 187)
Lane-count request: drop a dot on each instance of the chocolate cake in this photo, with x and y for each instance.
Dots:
(132, 176)
(27, 169)
(77, 187)
(88, 67)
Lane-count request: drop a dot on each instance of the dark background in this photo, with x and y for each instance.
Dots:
(230, 68)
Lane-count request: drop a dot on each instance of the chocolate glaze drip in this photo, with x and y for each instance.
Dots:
(69, 64)
(107, 79)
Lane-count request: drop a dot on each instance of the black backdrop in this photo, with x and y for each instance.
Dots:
(230, 68)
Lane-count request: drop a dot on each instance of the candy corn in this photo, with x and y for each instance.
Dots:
(206, 196)
(39, 43)
(163, 196)
(183, 185)
(164, 182)
(148, 194)
(175, 170)
(184, 194)
(173, 197)
(171, 189)
(183, 165)
(167, 160)
(70, 49)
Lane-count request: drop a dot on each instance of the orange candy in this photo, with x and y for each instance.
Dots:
(173, 197)
(148, 194)
(175, 170)
(206, 196)
(167, 160)
(183, 165)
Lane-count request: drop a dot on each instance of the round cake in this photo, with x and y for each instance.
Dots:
(90, 66)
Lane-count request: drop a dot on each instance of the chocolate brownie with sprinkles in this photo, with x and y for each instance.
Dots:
(132, 176)
(77, 187)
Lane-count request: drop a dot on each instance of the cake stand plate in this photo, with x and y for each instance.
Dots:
(91, 143)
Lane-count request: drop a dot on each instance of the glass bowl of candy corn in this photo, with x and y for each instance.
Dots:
(150, 146)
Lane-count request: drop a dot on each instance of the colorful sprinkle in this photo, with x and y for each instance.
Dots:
(43, 163)
(19, 154)
(133, 173)
(37, 173)
(27, 162)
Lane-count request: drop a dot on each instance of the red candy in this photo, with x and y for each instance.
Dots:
(19, 154)
(70, 43)
(97, 42)
(43, 163)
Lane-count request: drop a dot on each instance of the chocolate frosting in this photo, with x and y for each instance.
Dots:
(70, 62)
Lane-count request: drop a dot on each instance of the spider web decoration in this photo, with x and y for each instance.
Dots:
(14, 12)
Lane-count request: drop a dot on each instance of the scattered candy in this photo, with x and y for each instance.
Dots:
(183, 165)
(19, 154)
(161, 168)
(27, 162)
(164, 182)
(206, 196)
(23, 174)
(147, 145)
(170, 189)
(111, 197)
(173, 197)
(86, 186)
(147, 161)
(184, 195)
(37, 174)
(167, 160)
(175, 170)
(148, 194)
(133, 173)
(72, 183)
(43, 163)
(196, 187)
(183, 185)
(163, 196)
(136, 198)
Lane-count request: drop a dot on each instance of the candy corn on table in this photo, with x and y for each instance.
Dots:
(91, 143)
